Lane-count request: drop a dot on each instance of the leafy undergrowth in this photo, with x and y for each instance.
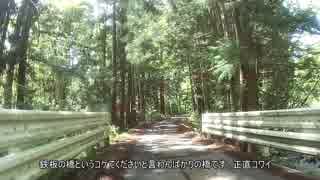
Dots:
(195, 120)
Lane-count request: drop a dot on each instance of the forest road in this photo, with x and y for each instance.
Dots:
(163, 144)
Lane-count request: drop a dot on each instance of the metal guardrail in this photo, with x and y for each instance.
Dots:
(26, 137)
(294, 130)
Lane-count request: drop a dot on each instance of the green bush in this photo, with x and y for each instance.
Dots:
(113, 132)
(154, 116)
(195, 120)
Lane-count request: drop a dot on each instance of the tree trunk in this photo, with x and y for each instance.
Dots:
(104, 43)
(204, 90)
(248, 60)
(179, 108)
(133, 98)
(142, 97)
(235, 81)
(8, 87)
(229, 105)
(123, 56)
(248, 71)
(60, 90)
(19, 51)
(156, 99)
(123, 93)
(194, 105)
(138, 91)
(22, 71)
(282, 72)
(129, 97)
(6, 9)
(162, 97)
(21, 85)
(114, 114)
(199, 98)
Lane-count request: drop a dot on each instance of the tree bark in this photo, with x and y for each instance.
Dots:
(18, 53)
(133, 98)
(8, 87)
(204, 89)
(104, 43)
(60, 90)
(129, 96)
(6, 9)
(235, 81)
(179, 108)
(282, 72)
(156, 99)
(142, 96)
(194, 105)
(123, 93)
(114, 113)
(162, 97)
(248, 60)
(21, 86)
(123, 56)
(22, 54)
(248, 71)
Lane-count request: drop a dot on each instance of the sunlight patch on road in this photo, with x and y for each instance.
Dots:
(192, 147)
(223, 178)
(150, 137)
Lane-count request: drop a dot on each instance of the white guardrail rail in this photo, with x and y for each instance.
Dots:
(293, 130)
(26, 137)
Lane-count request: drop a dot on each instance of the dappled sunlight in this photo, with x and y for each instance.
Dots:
(163, 80)
(223, 178)
(165, 143)
(152, 137)
(191, 147)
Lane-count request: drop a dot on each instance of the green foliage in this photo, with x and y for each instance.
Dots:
(224, 58)
(195, 119)
(113, 132)
(191, 45)
(154, 116)
(307, 77)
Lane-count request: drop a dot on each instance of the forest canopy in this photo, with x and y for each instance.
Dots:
(158, 56)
